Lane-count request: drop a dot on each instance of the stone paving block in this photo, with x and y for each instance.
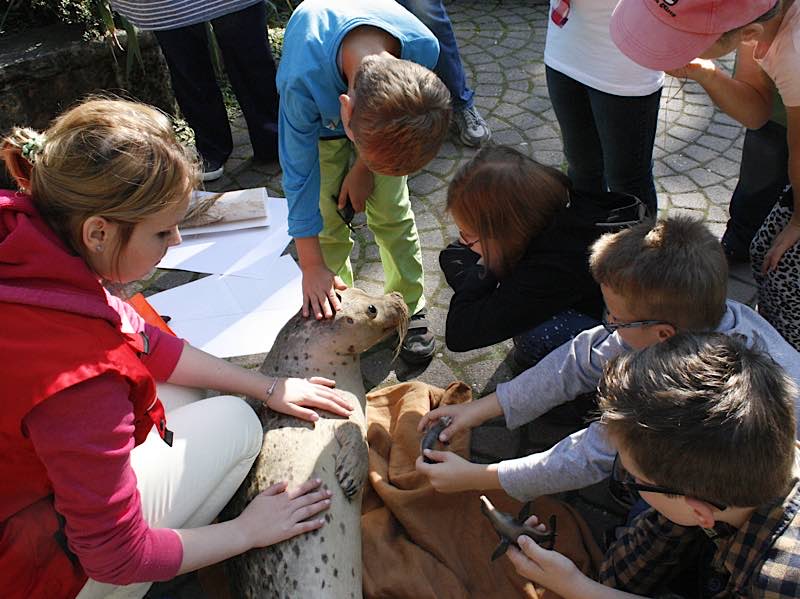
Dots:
(680, 162)
(720, 144)
(700, 153)
(683, 133)
(424, 183)
(717, 214)
(677, 184)
(508, 137)
(727, 131)
(661, 170)
(703, 177)
(718, 195)
(549, 158)
(724, 166)
(693, 200)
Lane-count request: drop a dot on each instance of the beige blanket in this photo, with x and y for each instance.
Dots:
(421, 544)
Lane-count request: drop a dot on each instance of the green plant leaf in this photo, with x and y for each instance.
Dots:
(134, 51)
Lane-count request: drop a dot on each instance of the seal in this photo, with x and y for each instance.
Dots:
(325, 563)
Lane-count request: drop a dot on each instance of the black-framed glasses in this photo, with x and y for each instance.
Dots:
(621, 478)
(611, 327)
(462, 239)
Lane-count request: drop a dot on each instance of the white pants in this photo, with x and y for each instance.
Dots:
(215, 442)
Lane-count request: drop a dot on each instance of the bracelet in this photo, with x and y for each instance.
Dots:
(271, 389)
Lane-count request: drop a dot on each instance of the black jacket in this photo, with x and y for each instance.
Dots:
(551, 276)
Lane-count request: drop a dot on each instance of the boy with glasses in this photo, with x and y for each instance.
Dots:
(657, 280)
(705, 428)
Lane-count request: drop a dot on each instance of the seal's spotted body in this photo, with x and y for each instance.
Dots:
(327, 562)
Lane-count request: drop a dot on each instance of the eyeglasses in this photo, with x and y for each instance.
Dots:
(462, 239)
(622, 479)
(613, 326)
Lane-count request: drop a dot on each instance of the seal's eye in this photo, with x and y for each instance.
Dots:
(372, 311)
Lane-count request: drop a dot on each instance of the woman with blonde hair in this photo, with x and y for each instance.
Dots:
(102, 484)
(520, 266)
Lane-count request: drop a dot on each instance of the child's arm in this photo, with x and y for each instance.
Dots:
(319, 283)
(299, 125)
(557, 573)
(196, 368)
(747, 96)
(357, 186)
(452, 473)
(565, 373)
(580, 460)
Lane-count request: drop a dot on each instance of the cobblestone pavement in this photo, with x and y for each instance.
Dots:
(697, 154)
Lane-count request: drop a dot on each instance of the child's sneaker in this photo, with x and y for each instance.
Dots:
(418, 344)
(212, 169)
(472, 129)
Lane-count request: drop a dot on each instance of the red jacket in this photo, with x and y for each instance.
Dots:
(65, 318)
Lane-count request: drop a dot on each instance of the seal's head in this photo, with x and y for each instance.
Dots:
(364, 320)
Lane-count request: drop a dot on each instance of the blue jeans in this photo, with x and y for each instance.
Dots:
(535, 344)
(449, 68)
(763, 173)
(608, 139)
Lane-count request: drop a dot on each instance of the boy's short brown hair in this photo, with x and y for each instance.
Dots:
(401, 114)
(673, 271)
(706, 415)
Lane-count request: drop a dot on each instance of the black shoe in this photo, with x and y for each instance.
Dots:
(212, 169)
(419, 345)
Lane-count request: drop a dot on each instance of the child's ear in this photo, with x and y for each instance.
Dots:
(751, 32)
(703, 512)
(95, 233)
(665, 331)
(346, 112)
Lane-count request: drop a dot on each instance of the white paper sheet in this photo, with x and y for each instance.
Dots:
(231, 315)
(247, 253)
(234, 226)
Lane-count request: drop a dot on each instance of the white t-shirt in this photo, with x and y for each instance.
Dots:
(782, 60)
(583, 50)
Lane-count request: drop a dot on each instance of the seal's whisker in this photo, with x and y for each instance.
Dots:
(402, 329)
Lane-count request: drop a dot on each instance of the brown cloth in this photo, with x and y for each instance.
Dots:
(420, 544)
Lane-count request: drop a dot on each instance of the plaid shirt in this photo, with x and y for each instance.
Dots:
(760, 559)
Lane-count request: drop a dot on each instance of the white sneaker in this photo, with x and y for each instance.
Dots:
(212, 170)
(472, 129)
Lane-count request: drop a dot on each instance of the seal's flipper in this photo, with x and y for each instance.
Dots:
(501, 549)
(352, 459)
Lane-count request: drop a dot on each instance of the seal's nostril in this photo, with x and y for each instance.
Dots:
(372, 310)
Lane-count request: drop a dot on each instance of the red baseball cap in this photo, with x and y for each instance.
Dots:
(667, 34)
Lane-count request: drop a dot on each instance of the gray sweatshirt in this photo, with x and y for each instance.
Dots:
(576, 367)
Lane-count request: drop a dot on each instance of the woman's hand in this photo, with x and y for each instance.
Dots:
(452, 473)
(292, 394)
(782, 242)
(277, 514)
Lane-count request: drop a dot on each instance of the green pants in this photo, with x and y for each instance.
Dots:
(389, 217)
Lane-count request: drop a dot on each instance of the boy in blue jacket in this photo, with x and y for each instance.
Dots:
(359, 111)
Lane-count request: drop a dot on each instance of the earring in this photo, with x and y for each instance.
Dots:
(99, 248)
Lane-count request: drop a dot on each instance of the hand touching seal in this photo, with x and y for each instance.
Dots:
(296, 397)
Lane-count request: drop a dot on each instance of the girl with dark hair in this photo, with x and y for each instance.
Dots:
(520, 266)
